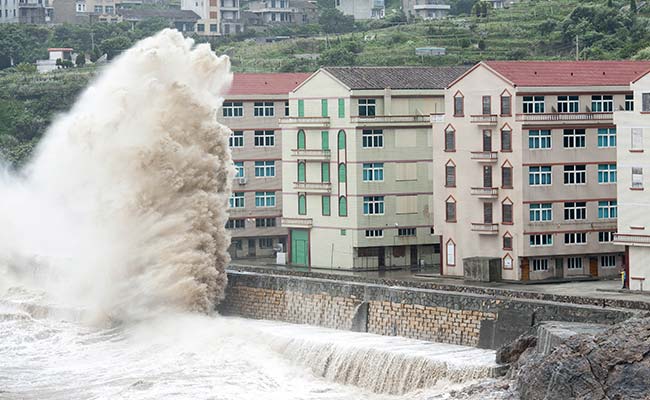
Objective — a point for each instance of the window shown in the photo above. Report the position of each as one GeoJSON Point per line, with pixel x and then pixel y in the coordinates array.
{"type": "Point", "coordinates": [239, 169]}
{"type": "Point", "coordinates": [324, 108]}
{"type": "Point", "coordinates": [264, 138]}
{"type": "Point", "coordinates": [451, 253]}
{"type": "Point", "coordinates": [341, 140]}
{"type": "Point", "coordinates": [302, 204]}
{"type": "Point", "coordinates": [374, 233]}
{"type": "Point", "coordinates": [506, 177]}
{"type": "Point", "coordinates": [450, 174]}
{"type": "Point", "coordinates": [507, 242]}
{"type": "Point", "coordinates": [606, 173]}
{"type": "Point", "coordinates": [301, 139]}
{"type": "Point", "coordinates": [325, 205]}
{"type": "Point", "coordinates": [574, 138]}
{"type": "Point", "coordinates": [236, 223]}
{"type": "Point", "coordinates": [343, 206]}
{"type": "Point", "coordinates": [264, 199]}
{"type": "Point", "coordinates": [539, 139]}
{"type": "Point", "coordinates": [286, 108]}
{"type": "Point", "coordinates": [450, 139]}
{"type": "Point", "coordinates": [568, 104]}
{"type": "Point", "coordinates": [506, 213]}
{"type": "Point", "coordinates": [487, 213]}
{"type": "Point", "coordinates": [605, 237]}
{"type": "Point", "coordinates": [575, 174]}
{"type": "Point", "coordinates": [602, 103]}
{"type": "Point", "coordinates": [264, 169]}
{"type": "Point", "coordinates": [539, 264]}
{"type": "Point", "coordinates": [506, 140]}
{"type": "Point", "coordinates": [459, 105]}
{"type": "Point", "coordinates": [607, 261]}
{"type": "Point", "coordinates": [213, 27]}
{"type": "Point", "coordinates": [98, 9]}
{"type": "Point", "coordinates": [325, 172]}
{"type": "Point", "coordinates": [637, 139]}
{"type": "Point", "coordinates": [606, 137]}
{"type": "Point", "coordinates": [263, 109]}
{"type": "Point", "coordinates": [574, 263]}
{"type": "Point", "coordinates": [629, 102]}
{"type": "Point", "coordinates": [236, 139]}
{"type": "Point", "coordinates": [265, 222]}
{"type": "Point", "coordinates": [373, 205]}
{"type": "Point", "coordinates": [487, 140]}
{"type": "Point", "coordinates": [645, 102]}
{"type": "Point", "coordinates": [506, 105]}
{"type": "Point", "coordinates": [325, 140]}
{"type": "Point", "coordinates": [373, 172]}
{"type": "Point", "coordinates": [539, 175]}
{"type": "Point", "coordinates": [575, 210]}
{"type": "Point", "coordinates": [487, 105]}
{"type": "Point", "coordinates": [540, 212]}
{"type": "Point", "coordinates": [533, 104]}
{"type": "Point", "coordinates": [607, 209]}
{"type": "Point", "coordinates": [637, 178]}
{"type": "Point", "coordinates": [201, 28]}
{"type": "Point", "coordinates": [406, 231]}
{"type": "Point", "coordinates": [343, 177]}
{"type": "Point", "coordinates": [341, 108]}
{"type": "Point", "coordinates": [237, 200]}
{"type": "Point", "coordinates": [266, 243]}
{"type": "Point", "coordinates": [575, 238]}
{"type": "Point", "coordinates": [367, 107]}
{"type": "Point", "coordinates": [545, 239]}
{"type": "Point", "coordinates": [450, 210]}
{"type": "Point", "coordinates": [109, 9]}
{"type": "Point", "coordinates": [233, 109]}
{"type": "Point", "coordinates": [372, 138]}
{"type": "Point", "coordinates": [301, 108]}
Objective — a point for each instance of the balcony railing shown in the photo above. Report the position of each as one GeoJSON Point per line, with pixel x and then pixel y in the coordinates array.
{"type": "Point", "coordinates": [485, 192]}
{"type": "Point", "coordinates": [314, 187]}
{"type": "Point", "coordinates": [485, 229]}
{"type": "Point", "coordinates": [306, 121]}
{"type": "Point", "coordinates": [391, 119]}
{"type": "Point", "coordinates": [581, 116]}
{"type": "Point", "coordinates": [431, 7]}
{"type": "Point", "coordinates": [484, 119]}
{"type": "Point", "coordinates": [631, 239]}
{"type": "Point", "coordinates": [296, 222]}
{"type": "Point", "coordinates": [485, 156]}
{"type": "Point", "coordinates": [311, 154]}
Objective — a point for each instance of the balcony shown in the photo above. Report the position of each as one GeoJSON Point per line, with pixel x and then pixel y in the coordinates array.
{"type": "Point", "coordinates": [631, 239]}
{"type": "Point", "coordinates": [313, 187]}
{"type": "Point", "coordinates": [397, 120]}
{"type": "Point", "coordinates": [485, 229]}
{"type": "Point", "coordinates": [580, 117]}
{"type": "Point", "coordinates": [305, 223]}
{"type": "Point", "coordinates": [485, 156]}
{"type": "Point", "coordinates": [431, 7]}
{"type": "Point", "coordinates": [306, 122]}
{"type": "Point", "coordinates": [485, 192]}
{"type": "Point", "coordinates": [311, 154]}
{"type": "Point", "coordinates": [484, 119]}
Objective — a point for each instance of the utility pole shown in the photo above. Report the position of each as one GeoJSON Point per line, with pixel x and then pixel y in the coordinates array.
{"type": "Point", "coordinates": [577, 49]}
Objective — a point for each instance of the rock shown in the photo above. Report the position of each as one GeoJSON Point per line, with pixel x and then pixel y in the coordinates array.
{"type": "Point", "coordinates": [611, 365]}
{"type": "Point", "coordinates": [509, 353]}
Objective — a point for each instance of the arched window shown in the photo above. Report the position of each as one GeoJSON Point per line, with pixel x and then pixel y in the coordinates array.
{"type": "Point", "coordinates": [506, 211]}
{"type": "Point", "coordinates": [342, 173]}
{"type": "Point", "coordinates": [341, 140]}
{"type": "Point", "coordinates": [451, 253]}
{"type": "Point", "coordinates": [507, 262]}
{"type": "Point", "coordinates": [450, 209]}
{"type": "Point", "coordinates": [450, 174]}
{"type": "Point", "coordinates": [507, 241]}
{"type": "Point", "coordinates": [459, 104]}
{"type": "Point", "coordinates": [343, 206]}
{"type": "Point", "coordinates": [450, 138]}
{"type": "Point", "coordinates": [302, 204]}
{"type": "Point", "coordinates": [301, 139]}
{"type": "Point", "coordinates": [301, 171]}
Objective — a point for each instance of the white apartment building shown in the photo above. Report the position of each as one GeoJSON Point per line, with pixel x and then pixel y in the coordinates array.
{"type": "Point", "coordinates": [633, 126]}
{"type": "Point", "coordinates": [357, 160]}
{"type": "Point", "coordinates": [362, 9]}
{"type": "Point", "coordinates": [525, 168]}
{"type": "Point", "coordinates": [8, 11]}
{"type": "Point", "coordinates": [217, 17]}
{"type": "Point", "coordinates": [251, 109]}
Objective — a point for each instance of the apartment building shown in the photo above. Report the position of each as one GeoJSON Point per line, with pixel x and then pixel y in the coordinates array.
{"type": "Point", "coordinates": [525, 167]}
{"type": "Point", "coordinates": [356, 161]}
{"type": "Point", "coordinates": [217, 17]}
{"type": "Point", "coordinates": [426, 9]}
{"type": "Point", "coordinates": [8, 11]}
{"type": "Point", "coordinates": [362, 9]}
{"type": "Point", "coordinates": [633, 127]}
{"type": "Point", "coordinates": [252, 109]}
{"type": "Point", "coordinates": [281, 12]}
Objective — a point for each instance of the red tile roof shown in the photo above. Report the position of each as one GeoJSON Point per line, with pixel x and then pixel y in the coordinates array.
{"type": "Point", "coordinates": [277, 83]}
{"type": "Point", "coordinates": [570, 73]}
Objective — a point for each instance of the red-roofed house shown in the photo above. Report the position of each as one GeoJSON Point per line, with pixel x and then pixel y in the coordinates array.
{"type": "Point", "coordinates": [525, 165]}
{"type": "Point", "coordinates": [252, 109]}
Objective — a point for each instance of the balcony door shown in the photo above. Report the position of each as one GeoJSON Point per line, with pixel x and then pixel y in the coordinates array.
{"type": "Point", "coordinates": [487, 140]}
{"type": "Point", "coordinates": [487, 176]}
{"type": "Point", "coordinates": [487, 213]}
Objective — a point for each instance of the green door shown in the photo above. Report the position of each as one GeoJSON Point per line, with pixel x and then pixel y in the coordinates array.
{"type": "Point", "coordinates": [299, 247]}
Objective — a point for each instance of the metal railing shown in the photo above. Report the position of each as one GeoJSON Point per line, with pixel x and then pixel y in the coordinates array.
{"type": "Point", "coordinates": [490, 156]}
{"type": "Point", "coordinates": [627, 238]}
{"type": "Point", "coordinates": [297, 222]}
{"type": "Point", "coordinates": [391, 119]}
{"type": "Point", "coordinates": [484, 119]}
{"type": "Point", "coordinates": [485, 228]}
{"type": "Point", "coordinates": [580, 116]}
{"type": "Point", "coordinates": [313, 186]}
{"type": "Point", "coordinates": [306, 121]}
{"type": "Point", "coordinates": [485, 191]}
{"type": "Point", "coordinates": [311, 153]}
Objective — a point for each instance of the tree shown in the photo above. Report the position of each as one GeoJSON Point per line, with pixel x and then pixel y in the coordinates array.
{"type": "Point", "coordinates": [332, 20]}
{"type": "Point", "coordinates": [80, 60]}
{"type": "Point", "coordinates": [643, 54]}
{"type": "Point", "coordinates": [337, 56]}
{"type": "Point", "coordinates": [114, 46]}
{"type": "Point", "coordinates": [633, 8]}
{"type": "Point", "coordinates": [481, 44]}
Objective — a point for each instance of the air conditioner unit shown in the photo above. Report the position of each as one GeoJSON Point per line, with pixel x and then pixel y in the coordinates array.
{"type": "Point", "coordinates": [242, 181]}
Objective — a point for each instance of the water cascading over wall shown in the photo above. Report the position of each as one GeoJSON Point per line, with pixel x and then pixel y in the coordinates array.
{"type": "Point", "coordinates": [123, 207]}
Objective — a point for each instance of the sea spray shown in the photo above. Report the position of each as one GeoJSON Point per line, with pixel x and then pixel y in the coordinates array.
{"type": "Point", "coordinates": [122, 210]}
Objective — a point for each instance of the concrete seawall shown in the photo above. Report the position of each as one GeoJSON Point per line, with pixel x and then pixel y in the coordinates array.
{"type": "Point", "coordinates": [475, 318]}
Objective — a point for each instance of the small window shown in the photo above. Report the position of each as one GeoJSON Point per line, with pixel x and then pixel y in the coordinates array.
{"type": "Point", "coordinates": [637, 139]}
{"type": "Point", "coordinates": [605, 237]}
{"type": "Point", "coordinates": [265, 222]}
{"type": "Point", "coordinates": [342, 173]}
{"type": "Point", "coordinates": [324, 108]}
{"type": "Point", "coordinates": [487, 105]}
{"type": "Point", "coordinates": [325, 172]}
{"type": "Point", "coordinates": [341, 140]}
{"type": "Point", "coordinates": [264, 138]}
{"type": "Point", "coordinates": [539, 264]}
{"type": "Point", "coordinates": [506, 213]}
{"type": "Point", "coordinates": [539, 139]}
{"type": "Point", "coordinates": [266, 243]}
{"type": "Point", "coordinates": [264, 169]}
{"type": "Point", "coordinates": [540, 212]}
{"type": "Point", "coordinates": [367, 107]}
{"type": "Point", "coordinates": [539, 175]}
{"type": "Point", "coordinates": [451, 253]}
{"type": "Point", "coordinates": [286, 108]}
{"type": "Point", "coordinates": [602, 103]}
{"type": "Point", "coordinates": [575, 174]}
{"type": "Point", "coordinates": [301, 108]}
{"type": "Point", "coordinates": [629, 102]}
{"type": "Point", "coordinates": [575, 210]}
{"type": "Point", "coordinates": [541, 240]}
{"type": "Point", "coordinates": [459, 106]}
{"type": "Point", "coordinates": [233, 109]}
{"type": "Point", "coordinates": [506, 105]}
{"type": "Point", "coordinates": [575, 238]}
{"type": "Point", "coordinates": [506, 177]}
{"type": "Point", "coordinates": [239, 223]}
{"type": "Point", "coordinates": [373, 172]}
{"type": "Point", "coordinates": [301, 171]}
{"type": "Point", "coordinates": [507, 242]}
{"type": "Point", "coordinates": [236, 139]}
{"type": "Point", "coordinates": [372, 138]}
{"type": "Point", "coordinates": [606, 173]}
{"type": "Point", "coordinates": [450, 175]}
{"type": "Point", "coordinates": [568, 104]}
{"type": "Point", "coordinates": [575, 138]}
{"type": "Point", "coordinates": [237, 200]}
{"type": "Point", "coordinates": [606, 137]}
{"type": "Point", "coordinates": [239, 169]}
{"type": "Point", "coordinates": [645, 102]}
{"type": "Point", "coordinates": [608, 261]}
{"type": "Point", "coordinates": [341, 108]}
{"type": "Point", "coordinates": [264, 199]}
{"type": "Point", "coordinates": [574, 263]}
{"type": "Point", "coordinates": [450, 210]}
{"type": "Point", "coordinates": [607, 209]}
{"type": "Point", "coordinates": [406, 231]}
{"type": "Point", "coordinates": [301, 139]}
{"type": "Point", "coordinates": [506, 140]}
{"type": "Point", "coordinates": [533, 104]}
{"type": "Point", "coordinates": [450, 139]}
{"type": "Point", "coordinates": [343, 206]}
{"type": "Point", "coordinates": [302, 204]}
{"type": "Point", "coordinates": [374, 233]}
{"type": "Point", "coordinates": [325, 200]}
{"type": "Point", "coordinates": [637, 178]}
{"type": "Point", "coordinates": [373, 205]}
